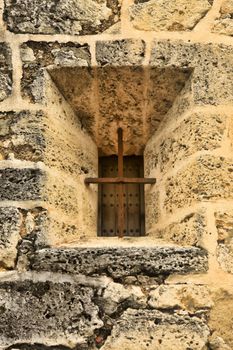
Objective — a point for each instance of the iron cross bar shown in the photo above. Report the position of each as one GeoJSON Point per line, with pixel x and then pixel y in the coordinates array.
{"type": "Point", "coordinates": [120, 181]}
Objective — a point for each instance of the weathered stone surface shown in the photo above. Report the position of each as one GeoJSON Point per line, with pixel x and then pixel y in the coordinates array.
{"type": "Point", "coordinates": [35, 136]}
{"type": "Point", "coordinates": [70, 17]}
{"type": "Point", "coordinates": [177, 15]}
{"type": "Point", "coordinates": [36, 184]}
{"type": "Point", "coordinates": [37, 56]}
{"type": "Point", "coordinates": [224, 225]}
{"type": "Point", "coordinates": [224, 23]}
{"type": "Point", "coordinates": [5, 71]}
{"type": "Point", "coordinates": [10, 224]}
{"type": "Point", "coordinates": [221, 320]}
{"type": "Point", "coordinates": [120, 92]}
{"type": "Point", "coordinates": [20, 184]}
{"type": "Point", "coordinates": [187, 297]}
{"type": "Point", "coordinates": [52, 313]}
{"type": "Point", "coordinates": [120, 52]}
{"type": "Point", "coordinates": [149, 330]}
{"type": "Point", "coordinates": [212, 63]}
{"type": "Point", "coordinates": [116, 294]}
{"type": "Point", "coordinates": [21, 135]}
{"type": "Point", "coordinates": [152, 208]}
{"type": "Point", "coordinates": [120, 262]}
{"type": "Point", "coordinates": [198, 132]}
{"type": "Point", "coordinates": [206, 178]}
{"type": "Point", "coordinates": [188, 231]}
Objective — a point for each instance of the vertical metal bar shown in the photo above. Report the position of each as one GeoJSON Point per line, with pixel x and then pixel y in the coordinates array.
{"type": "Point", "coordinates": [120, 186]}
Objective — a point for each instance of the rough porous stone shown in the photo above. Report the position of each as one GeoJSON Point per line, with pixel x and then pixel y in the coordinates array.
{"type": "Point", "coordinates": [37, 56]}
{"type": "Point", "coordinates": [224, 225]}
{"type": "Point", "coordinates": [120, 262]}
{"type": "Point", "coordinates": [5, 71]}
{"type": "Point", "coordinates": [177, 15]}
{"type": "Point", "coordinates": [35, 136]}
{"type": "Point", "coordinates": [119, 92]}
{"type": "Point", "coordinates": [188, 231]}
{"type": "Point", "coordinates": [21, 184]}
{"type": "Point", "coordinates": [183, 296]}
{"type": "Point", "coordinates": [221, 320]}
{"type": "Point", "coordinates": [224, 23]}
{"type": "Point", "coordinates": [120, 52]}
{"type": "Point", "coordinates": [116, 294]}
{"type": "Point", "coordinates": [10, 225]}
{"type": "Point", "coordinates": [206, 178]}
{"type": "Point", "coordinates": [69, 17]}
{"type": "Point", "coordinates": [211, 63]}
{"type": "Point", "coordinates": [21, 134]}
{"type": "Point", "coordinates": [151, 329]}
{"type": "Point", "coordinates": [198, 132]}
{"type": "Point", "coordinates": [47, 312]}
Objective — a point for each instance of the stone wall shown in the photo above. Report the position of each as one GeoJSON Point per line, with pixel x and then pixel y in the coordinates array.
{"type": "Point", "coordinates": [71, 72]}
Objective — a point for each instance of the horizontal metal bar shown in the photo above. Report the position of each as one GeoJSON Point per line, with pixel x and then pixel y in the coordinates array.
{"type": "Point", "coordinates": [120, 180]}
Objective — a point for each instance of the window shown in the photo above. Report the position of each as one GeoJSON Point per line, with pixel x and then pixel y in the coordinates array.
{"type": "Point", "coordinates": [133, 198]}
{"type": "Point", "coordinates": [121, 197]}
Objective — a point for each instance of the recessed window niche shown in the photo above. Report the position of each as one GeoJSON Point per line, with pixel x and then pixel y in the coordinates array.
{"type": "Point", "coordinates": [96, 102]}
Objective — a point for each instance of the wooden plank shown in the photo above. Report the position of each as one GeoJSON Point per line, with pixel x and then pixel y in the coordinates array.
{"type": "Point", "coordinates": [121, 214]}
{"type": "Point", "coordinates": [119, 180]}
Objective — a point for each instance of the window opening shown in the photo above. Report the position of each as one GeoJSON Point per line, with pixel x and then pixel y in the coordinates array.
{"type": "Point", "coordinates": [120, 220]}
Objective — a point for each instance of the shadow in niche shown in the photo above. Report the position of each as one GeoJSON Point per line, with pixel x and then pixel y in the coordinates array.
{"type": "Point", "coordinates": [38, 346]}
{"type": "Point", "coordinates": [136, 98]}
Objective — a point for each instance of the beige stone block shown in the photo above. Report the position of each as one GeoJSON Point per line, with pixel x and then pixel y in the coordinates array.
{"type": "Point", "coordinates": [152, 329]}
{"type": "Point", "coordinates": [207, 178]}
{"type": "Point", "coordinates": [187, 297]}
{"type": "Point", "coordinates": [116, 293]}
{"type": "Point", "coordinates": [151, 208]}
{"type": "Point", "coordinates": [188, 231]}
{"type": "Point", "coordinates": [221, 319]}
{"type": "Point", "coordinates": [224, 24]}
{"type": "Point", "coordinates": [198, 132]}
{"type": "Point", "coordinates": [177, 15]}
{"type": "Point", "coordinates": [224, 225]}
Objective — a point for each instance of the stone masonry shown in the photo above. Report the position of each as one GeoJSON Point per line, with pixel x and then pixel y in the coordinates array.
{"type": "Point", "coordinates": [71, 73]}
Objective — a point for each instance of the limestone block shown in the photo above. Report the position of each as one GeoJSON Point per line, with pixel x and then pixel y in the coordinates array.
{"type": "Point", "coordinates": [21, 184]}
{"type": "Point", "coordinates": [36, 56]}
{"type": "Point", "coordinates": [204, 179]}
{"type": "Point", "coordinates": [149, 330]}
{"type": "Point", "coordinates": [152, 208]}
{"type": "Point", "coordinates": [36, 184]}
{"type": "Point", "coordinates": [224, 225]}
{"type": "Point", "coordinates": [10, 225]}
{"type": "Point", "coordinates": [178, 15]}
{"type": "Point", "coordinates": [69, 17]}
{"type": "Point", "coordinates": [187, 297]}
{"type": "Point", "coordinates": [198, 132]}
{"type": "Point", "coordinates": [121, 262]}
{"type": "Point", "coordinates": [211, 63]}
{"type": "Point", "coordinates": [36, 136]}
{"type": "Point", "coordinates": [188, 231]}
{"type": "Point", "coordinates": [116, 293]}
{"type": "Point", "coordinates": [5, 71]}
{"type": "Point", "coordinates": [224, 23]}
{"type": "Point", "coordinates": [52, 313]}
{"type": "Point", "coordinates": [221, 319]}
{"type": "Point", "coordinates": [120, 52]}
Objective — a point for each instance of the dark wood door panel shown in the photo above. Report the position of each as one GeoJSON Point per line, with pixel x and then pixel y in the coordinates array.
{"type": "Point", "coordinates": [133, 198]}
